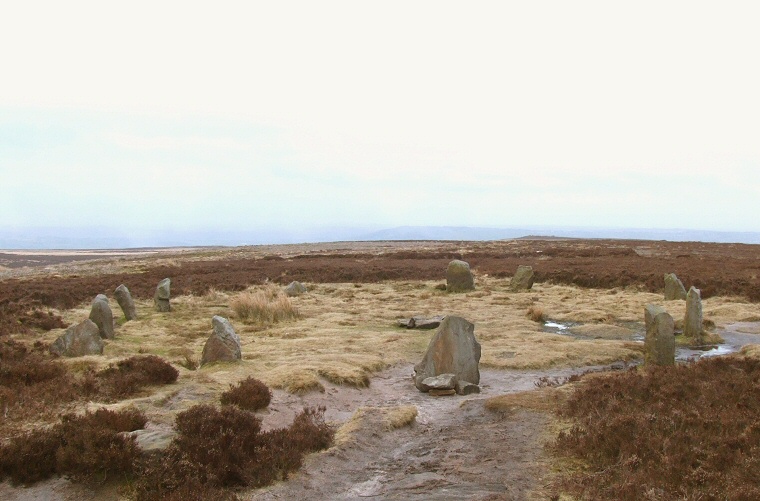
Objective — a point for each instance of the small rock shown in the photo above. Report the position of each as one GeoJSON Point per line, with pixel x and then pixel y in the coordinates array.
{"type": "Point", "coordinates": [79, 340]}
{"type": "Point", "coordinates": [223, 345]}
{"type": "Point", "coordinates": [466, 388]}
{"type": "Point", "coordinates": [523, 279]}
{"type": "Point", "coordinates": [441, 393]}
{"type": "Point", "coordinates": [440, 382]}
{"type": "Point", "coordinates": [459, 277]}
{"type": "Point", "coordinates": [126, 303]}
{"type": "Point", "coordinates": [295, 289]}
{"type": "Point", "coordinates": [421, 322]}
{"type": "Point", "coordinates": [101, 314]}
{"type": "Point", "coordinates": [674, 288]}
{"type": "Point", "coordinates": [161, 297]}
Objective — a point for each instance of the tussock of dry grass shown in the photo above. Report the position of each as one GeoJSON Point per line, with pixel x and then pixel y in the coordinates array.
{"type": "Point", "coordinates": [536, 313]}
{"type": "Point", "coordinates": [368, 420]}
{"type": "Point", "coordinates": [545, 399]}
{"type": "Point", "coordinates": [264, 306]}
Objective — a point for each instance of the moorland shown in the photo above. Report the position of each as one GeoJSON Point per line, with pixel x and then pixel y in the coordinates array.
{"type": "Point", "coordinates": [565, 411]}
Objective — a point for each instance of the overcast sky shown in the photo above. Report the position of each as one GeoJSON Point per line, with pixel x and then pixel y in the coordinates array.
{"type": "Point", "coordinates": [301, 114]}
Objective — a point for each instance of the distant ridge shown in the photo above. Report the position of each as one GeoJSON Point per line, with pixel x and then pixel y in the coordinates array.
{"type": "Point", "coordinates": [112, 238]}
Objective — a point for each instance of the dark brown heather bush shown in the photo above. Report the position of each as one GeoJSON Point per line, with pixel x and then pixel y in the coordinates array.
{"type": "Point", "coordinates": [221, 449]}
{"type": "Point", "coordinates": [88, 447]}
{"type": "Point", "coordinates": [683, 432]}
{"type": "Point", "coordinates": [129, 376]}
{"type": "Point", "coordinates": [249, 394]}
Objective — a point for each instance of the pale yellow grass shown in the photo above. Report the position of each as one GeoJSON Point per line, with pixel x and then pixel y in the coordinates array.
{"type": "Point", "coordinates": [265, 305]}
{"type": "Point", "coordinates": [346, 333]}
{"type": "Point", "coordinates": [368, 420]}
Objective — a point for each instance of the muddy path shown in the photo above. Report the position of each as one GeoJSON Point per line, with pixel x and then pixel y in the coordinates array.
{"type": "Point", "coordinates": [456, 449]}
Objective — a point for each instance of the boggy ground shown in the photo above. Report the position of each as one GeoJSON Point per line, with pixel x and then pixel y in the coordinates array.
{"type": "Point", "coordinates": [347, 353]}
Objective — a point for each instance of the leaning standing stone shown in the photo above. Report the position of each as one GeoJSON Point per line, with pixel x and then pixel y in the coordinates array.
{"type": "Point", "coordinates": [692, 320]}
{"type": "Point", "coordinates": [124, 298]}
{"type": "Point", "coordinates": [161, 297]}
{"type": "Point", "coordinates": [101, 314]}
{"type": "Point", "coordinates": [79, 340]}
{"type": "Point", "coordinates": [459, 277]}
{"type": "Point", "coordinates": [660, 341]}
{"type": "Point", "coordinates": [523, 279]}
{"type": "Point", "coordinates": [674, 288]}
{"type": "Point", "coordinates": [223, 345]}
{"type": "Point", "coordinates": [452, 350]}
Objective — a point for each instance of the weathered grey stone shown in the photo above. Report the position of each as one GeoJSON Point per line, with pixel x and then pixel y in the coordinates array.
{"type": "Point", "coordinates": [421, 322]}
{"type": "Point", "coordinates": [523, 279]}
{"type": "Point", "coordinates": [295, 289]}
{"type": "Point", "coordinates": [452, 350]}
{"type": "Point", "coordinates": [660, 341]}
{"type": "Point", "coordinates": [101, 314]}
{"type": "Point", "coordinates": [674, 288]}
{"type": "Point", "coordinates": [126, 303]}
{"type": "Point", "coordinates": [79, 340]}
{"type": "Point", "coordinates": [692, 320]}
{"type": "Point", "coordinates": [223, 345]}
{"type": "Point", "coordinates": [459, 277]}
{"type": "Point", "coordinates": [440, 382]}
{"type": "Point", "coordinates": [161, 297]}
{"type": "Point", "coordinates": [466, 388]}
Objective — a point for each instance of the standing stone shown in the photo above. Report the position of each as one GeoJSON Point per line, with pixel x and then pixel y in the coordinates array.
{"type": "Point", "coordinates": [124, 298]}
{"type": "Point", "coordinates": [223, 345]}
{"type": "Point", "coordinates": [523, 279]}
{"type": "Point", "coordinates": [452, 350]}
{"type": "Point", "coordinates": [101, 314]}
{"type": "Point", "coordinates": [79, 340]}
{"type": "Point", "coordinates": [295, 289]}
{"type": "Point", "coordinates": [459, 277]}
{"type": "Point", "coordinates": [660, 341]}
{"type": "Point", "coordinates": [692, 320]}
{"type": "Point", "coordinates": [161, 297]}
{"type": "Point", "coordinates": [674, 288]}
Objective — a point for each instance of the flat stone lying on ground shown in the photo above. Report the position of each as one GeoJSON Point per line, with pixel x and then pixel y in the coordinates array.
{"type": "Point", "coordinates": [101, 314]}
{"type": "Point", "coordinates": [161, 297]}
{"type": "Point", "coordinates": [459, 277]}
{"type": "Point", "coordinates": [692, 320]}
{"type": "Point", "coordinates": [522, 279]}
{"type": "Point", "coordinates": [421, 322]}
{"type": "Point", "coordinates": [452, 350]}
{"type": "Point", "coordinates": [79, 340]}
{"type": "Point", "coordinates": [440, 382]}
{"type": "Point", "coordinates": [126, 303]}
{"type": "Point", "coordinates": [660, 341]}
{"type": "Point", "coordinates": [674, 288]}
{"type": "Point", "coordinates": [295, 289]}
{"type": "Point", "coordinates": [223, 345]}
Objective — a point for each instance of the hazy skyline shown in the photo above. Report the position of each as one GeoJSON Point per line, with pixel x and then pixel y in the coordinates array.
{"type": "Point", "coordinates": [295, 115]}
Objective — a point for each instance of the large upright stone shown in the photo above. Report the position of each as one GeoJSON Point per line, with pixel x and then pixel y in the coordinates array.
{"type": "Point", "coordinates": [79, 340]}
{"type": "Point", "coordinates": [161, 297]}
{"type": "Point", "coordinates": [523, 279]}
{"type": "Point", "coordinates": [295, 289]}
{"type": "Point", "coordinates": [223, 345]}
{"type": "Point", "coordinates": [692, 320]}
{"type": "Point", "coordinates": [101, 314]}
{"type": "Point", "coordinates": [126, 303]}
{"type": "Point", "coordinates": [660, 341]}
{"type": "Point", "coordinates": [674, 288]}
{"type": "Point", "coordinates": [452, 350]}
{"type": "Point", "coordinates": [459, 277]}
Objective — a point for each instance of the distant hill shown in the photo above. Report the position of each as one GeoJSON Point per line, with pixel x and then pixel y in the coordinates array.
{"type": "Point", "coordinates": [114, 238]}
